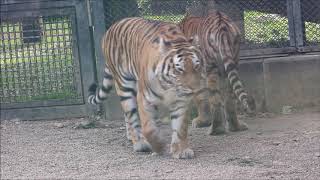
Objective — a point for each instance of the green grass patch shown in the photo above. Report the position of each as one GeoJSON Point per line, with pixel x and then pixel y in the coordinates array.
{"type": "Point", "coordinates": [166, 18]}
{"type": "Point", "coordinates": [269, 29]}
{"type": "Point", "coordinates": [312, 32]}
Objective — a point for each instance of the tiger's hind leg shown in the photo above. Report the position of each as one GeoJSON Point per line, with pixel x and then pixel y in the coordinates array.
{"type": "Point", "coordinates": [218, 121]}
{"type": "Point", "coordinates": [203, 109]}
{"type": "Point", "coordinates": [127, 93]}
{"type": "Point", "coordinates": [179, 144]}
{"type": "Point", "coordinates": [231, 113]}
{"type": "Point", "coordinates": [217, 112]}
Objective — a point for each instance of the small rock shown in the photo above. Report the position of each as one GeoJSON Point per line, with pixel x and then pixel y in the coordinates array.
{"type": "Point", "coordinates": [169, 171]}
{"type": "Point", "coordinates": [85, 125]}
{"type": "Point", "coordinates": [265, 115]}
{"type": "Point", "coordinates": [58, 125]}
{"type": "Point", "coordinates": [259, 133]}
{"type": "Point", "coordinates": [154, 154]}
{"type": "Point", "coordinates": [122, 128]}
{"type": "Point", "coordinates": [287, 110]}
{"type": "Point", "coordinates": [15, 119]}
{"type": "Point", "coordinates": [317, 154]}
{"type": "Point", "coordinates": [134, 176]}
{"type": "Point", "coordinates": [276, 143]}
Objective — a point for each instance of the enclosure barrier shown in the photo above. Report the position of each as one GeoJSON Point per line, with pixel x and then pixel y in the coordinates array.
{"type": "Point", "coordinates": [267, 26]}
{"type": "Point", "coordinates": [45, 59]}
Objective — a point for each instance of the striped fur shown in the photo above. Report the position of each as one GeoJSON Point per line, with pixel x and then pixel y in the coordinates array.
{"type": "Point", "coordinates": [219, 40]}
{"type": "Point", "coordinates": [151, 63]}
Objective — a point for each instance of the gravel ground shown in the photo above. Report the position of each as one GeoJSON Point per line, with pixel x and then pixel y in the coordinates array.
{"type": "Point", "coordinates": [275, 147]}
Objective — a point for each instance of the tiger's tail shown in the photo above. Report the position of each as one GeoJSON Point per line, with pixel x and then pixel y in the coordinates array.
{"type": "Point", "coordinates": [99, 94]}
{"type": "Point", "coordinates": [238, 88]}
{"type": "Point", "coordinates": [231, 68]}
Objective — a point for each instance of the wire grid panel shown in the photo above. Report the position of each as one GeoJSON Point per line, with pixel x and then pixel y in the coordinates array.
{"type": "Point", "coordinates": [263, 23]}
{"type": "Point", "coordinates": [38, 65]}
{"type": "Point", "coordinates": [311, 19]}
{"type": "Point", "coordinates": [165, 10]}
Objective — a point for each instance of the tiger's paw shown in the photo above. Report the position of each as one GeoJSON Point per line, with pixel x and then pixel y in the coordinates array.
{"type": "Point", "coordinates": [142, 146]}
{"type": "Point", "coordinates": [241, 127]}
{"type": "Point", "coordinates": [184, 154]}
{"type": "Point", "coordinates": [198, 123]}
{"type": "Point", "coordinates": [214, 131]}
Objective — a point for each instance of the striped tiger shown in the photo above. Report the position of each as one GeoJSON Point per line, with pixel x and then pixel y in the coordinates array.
{"type": "Point", "coordinates": [151, 63]}
{"type": "Point", "coordinates": [219, 41]}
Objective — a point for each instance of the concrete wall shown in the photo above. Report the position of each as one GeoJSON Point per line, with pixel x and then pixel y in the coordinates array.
{"type": "Point", "coordinates": [280, 81]}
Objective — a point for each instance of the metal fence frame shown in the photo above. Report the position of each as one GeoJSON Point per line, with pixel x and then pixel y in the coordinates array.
{"type": "Point", "coordinates": [82, 54]}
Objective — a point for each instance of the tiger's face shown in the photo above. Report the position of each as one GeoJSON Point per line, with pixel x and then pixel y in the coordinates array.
{"type": "Point", "coordinates": [188, 71]}
{"type": "Point", "coordinates": [181, 66]}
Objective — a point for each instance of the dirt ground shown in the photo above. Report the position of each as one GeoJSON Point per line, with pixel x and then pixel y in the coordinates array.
{"type": "Point", "coordinates": [275, 147]}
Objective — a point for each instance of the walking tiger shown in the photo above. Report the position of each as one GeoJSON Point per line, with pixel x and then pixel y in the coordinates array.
{"type": "Point", "coordinates": [152, 63]}
{"type": "Point", "coordinates": [219, 42]}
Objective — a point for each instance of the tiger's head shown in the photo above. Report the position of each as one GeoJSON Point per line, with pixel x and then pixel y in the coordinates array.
{"type": "Point", "coordinates": [182, 66]}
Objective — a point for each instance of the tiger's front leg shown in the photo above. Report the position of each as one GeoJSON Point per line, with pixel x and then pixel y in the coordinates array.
{"type": "Point", "coordinates": [129, 105]}
{"type": "Point", "coordinates": [148, 115]}
{"type": "Point", "coordinates": [179, 144]}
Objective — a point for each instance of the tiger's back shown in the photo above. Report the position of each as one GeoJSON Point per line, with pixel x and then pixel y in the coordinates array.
{"type": "Point", "coordinates": [134, 45]}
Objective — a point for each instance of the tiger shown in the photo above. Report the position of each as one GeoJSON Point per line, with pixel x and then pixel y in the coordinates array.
{"type": "Point", "coordinates": [219, 41]}
{"type": "Point", "coordinates": [151, 63]}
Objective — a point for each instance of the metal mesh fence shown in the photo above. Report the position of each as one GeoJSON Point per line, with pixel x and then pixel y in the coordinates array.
{"type": "Point", "coordinates": [165, 10]}
{"type": "Point", "coordinates": [263, 23]}
{"type": "Point", "coordinates": [36, 58]}
{"type": "Point", "coordinates": [311, 16]}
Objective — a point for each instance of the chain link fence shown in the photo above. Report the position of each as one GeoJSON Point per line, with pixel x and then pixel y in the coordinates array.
{"type": "Point", "coordinates": [165, 10]}
{"type": "Point", "coordinates": [263, 23]}
{"type": "Point", "coordinates": [37, 58]}
{"type": "Point", "coordinates": [311, 22]}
